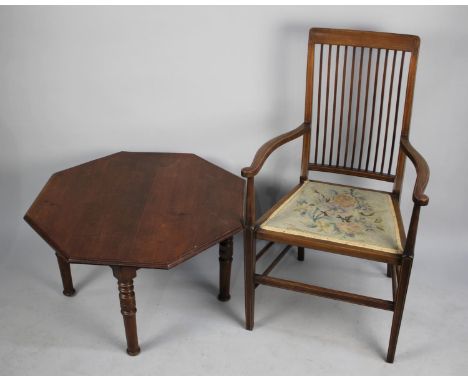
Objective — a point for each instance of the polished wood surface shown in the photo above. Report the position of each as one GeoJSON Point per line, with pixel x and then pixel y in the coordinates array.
{"type": "Point", "coordinates": [151, 210]}
{"type": "Point", "coordinates": [348, 144]}
{"type": "Point", "coordinates": [136, 210]}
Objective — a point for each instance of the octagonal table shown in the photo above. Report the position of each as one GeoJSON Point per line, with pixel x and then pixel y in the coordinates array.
{"type": "Point", "coordinates": [135, 210]}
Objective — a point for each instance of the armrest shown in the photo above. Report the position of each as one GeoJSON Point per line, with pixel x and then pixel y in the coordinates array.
{"type": "Point", "coordinates": [422, 172]}
{"type": "Point", "coordinates": [264, 152]}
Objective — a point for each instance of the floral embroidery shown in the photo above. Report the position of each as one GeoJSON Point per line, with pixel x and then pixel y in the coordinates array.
{"type": "Point", "coordinates": [341, 214]}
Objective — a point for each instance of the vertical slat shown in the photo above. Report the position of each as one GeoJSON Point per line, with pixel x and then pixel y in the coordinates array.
{"type": "Point", "coordinates": [371, 130]}
{"type": "Point", "coordinates": [389, 106]}
{"type": "Point", "coordinates": [334, 103]}
{"type": "Point", "coordinates": [309, 83]}
{"type": "Point", "coordinates": [400, 170]}
{"type": "Point", "coordinates": [382, 96]}
{"type": "Point", "coordinates": [325, 128]}
{"type": "Point", "coordinates": [305, 155]}
{"type": "Point", "coordinates": [357, 107]}
{"type": "Point", "coordinates": [397, 106]}
{"type": "Point", "coordinates": [365, 108]}
{"type": "Point", "coordinates": [350, 106]}
{"type": "Point", "coordinates": [308, 110]}
{"type": "Point", "coordinates": [343, 84]}
{"type": "Point", "coordinates": [409, 94]}
{"type": "Point", "coordinates": [319, 97]}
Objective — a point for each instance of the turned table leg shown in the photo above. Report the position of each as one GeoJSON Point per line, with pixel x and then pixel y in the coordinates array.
{"type": "Point", "coordinates": [125, 276]}
{"type": "Point", "coordinates": [65, 273]}
{"type": "Point", "coordinates": [225, 261]}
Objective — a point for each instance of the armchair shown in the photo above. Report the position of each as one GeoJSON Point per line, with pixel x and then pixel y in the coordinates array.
{"type": "Point", "coordinates": [353, 126]}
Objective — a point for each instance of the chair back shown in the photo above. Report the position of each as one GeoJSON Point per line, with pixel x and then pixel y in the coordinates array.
{"type": "Point", "coordinates": [359, 96]}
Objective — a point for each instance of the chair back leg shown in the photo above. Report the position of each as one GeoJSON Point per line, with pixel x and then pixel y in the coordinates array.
{"type": "Point", "coordinates": [249, 269]}
{"type": "Point", "coordinates": [403, 282]}
{"type": "Point", "coordinates": [300, 253]}
{"type": "Point", "coordinates": [389, 270]}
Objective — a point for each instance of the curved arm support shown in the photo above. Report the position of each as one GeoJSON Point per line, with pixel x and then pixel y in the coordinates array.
{"type": "Point", "coordinates": [264, 152]}
{"type": "Point", "coordinates": [422, 172]}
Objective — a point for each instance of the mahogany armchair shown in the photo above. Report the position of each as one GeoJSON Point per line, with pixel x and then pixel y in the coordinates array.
{"type": "Point", "coordinates": [356, 127]}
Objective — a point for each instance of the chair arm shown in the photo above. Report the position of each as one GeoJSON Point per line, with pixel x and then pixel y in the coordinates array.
{"type": "Point", "coordinates": [422, 172]}
{"type": "Point", "coordinates": [264, 152]}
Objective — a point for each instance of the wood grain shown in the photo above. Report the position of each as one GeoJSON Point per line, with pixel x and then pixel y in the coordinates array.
{"type": "Point", "coordinates": [152, 210]}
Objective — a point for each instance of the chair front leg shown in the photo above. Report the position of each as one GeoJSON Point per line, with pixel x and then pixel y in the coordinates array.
{"type": "Point", "coordinates": [403, 282]}
{"type": "Point", "coordinates": [249, 270]}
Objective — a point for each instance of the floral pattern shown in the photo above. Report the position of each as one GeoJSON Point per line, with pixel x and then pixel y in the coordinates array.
{"type": "Point", "coordinates": [338, 213]}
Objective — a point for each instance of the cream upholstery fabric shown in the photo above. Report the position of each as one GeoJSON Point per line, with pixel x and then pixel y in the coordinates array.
{"type": "Point", "coordinates": [341, 214]}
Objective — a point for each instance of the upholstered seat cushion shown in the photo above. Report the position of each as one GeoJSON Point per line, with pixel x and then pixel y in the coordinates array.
{"type": "Point", "coordinates": [340, 214]}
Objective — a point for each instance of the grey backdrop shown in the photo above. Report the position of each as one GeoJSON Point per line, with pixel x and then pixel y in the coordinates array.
{"type": "Point", "coordinates": [78, 83]}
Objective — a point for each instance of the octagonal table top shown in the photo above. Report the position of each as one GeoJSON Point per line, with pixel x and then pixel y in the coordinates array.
{"type": "Point", "coordinates": [150, 210]}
